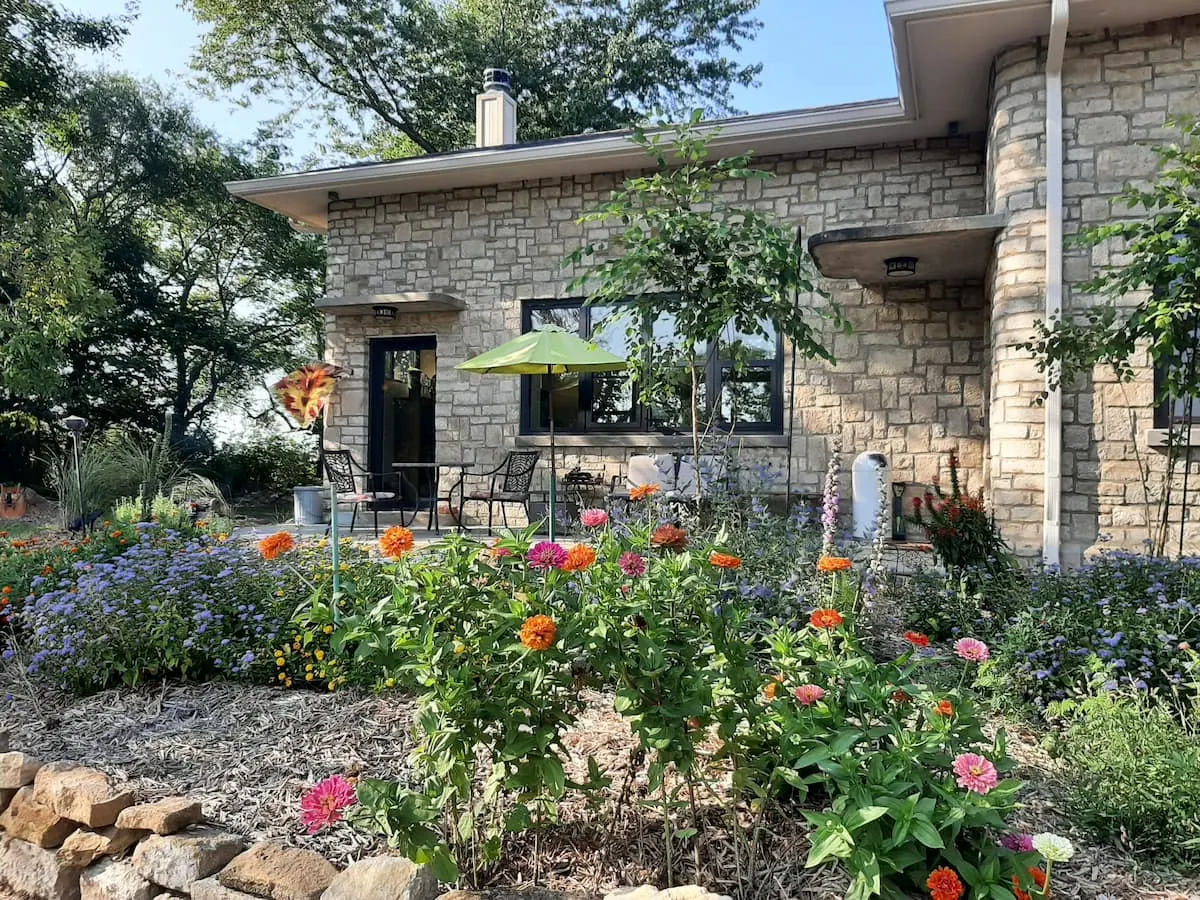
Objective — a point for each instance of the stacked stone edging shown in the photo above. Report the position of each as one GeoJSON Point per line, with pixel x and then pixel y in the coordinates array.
{"type": "Point", "coordinates": [67, 833]}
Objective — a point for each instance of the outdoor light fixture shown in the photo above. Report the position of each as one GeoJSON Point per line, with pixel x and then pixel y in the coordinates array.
{"type": "Point", "coordinates": [75, 425]}
{"type": "Point", "coordinates": [384, 312]}
{"type": "Point", "coordinates": [901, 266]}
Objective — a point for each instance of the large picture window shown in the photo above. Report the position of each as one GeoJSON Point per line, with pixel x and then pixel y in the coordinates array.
{"type": "Point", "coordinates": [744, 394]}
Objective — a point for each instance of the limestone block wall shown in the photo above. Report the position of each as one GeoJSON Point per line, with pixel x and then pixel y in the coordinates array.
{"type": "Point", "coordinates": [908, 383]}
{"type": "Point", "coordinates": [1120, 87]}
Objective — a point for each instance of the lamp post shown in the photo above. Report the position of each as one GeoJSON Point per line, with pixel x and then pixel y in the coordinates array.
{"type": "Point", "coordinates": [75, 425]}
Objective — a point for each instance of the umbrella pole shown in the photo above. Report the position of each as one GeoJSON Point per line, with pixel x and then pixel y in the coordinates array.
{"type": "Point", "coordinates": [553, 455]}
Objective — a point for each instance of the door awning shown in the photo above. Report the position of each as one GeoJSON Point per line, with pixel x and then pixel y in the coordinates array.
{"type": "Point", "coordinates": [389, 306]}
{"type": "Point", "coordinates": [933, 250]}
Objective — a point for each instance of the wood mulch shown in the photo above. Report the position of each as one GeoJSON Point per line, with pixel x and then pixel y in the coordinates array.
{"type": "Point", "coordinates": [249, 752]}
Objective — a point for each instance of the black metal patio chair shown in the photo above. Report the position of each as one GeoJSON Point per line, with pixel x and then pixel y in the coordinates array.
{"type": "Point", "coordinates": [344, 474]}
{"type": "Point", "coordinates": [509, 482]}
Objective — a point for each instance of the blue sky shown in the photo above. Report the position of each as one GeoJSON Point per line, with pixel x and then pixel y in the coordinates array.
{"type": "Point", "coordinates": [814, 53]}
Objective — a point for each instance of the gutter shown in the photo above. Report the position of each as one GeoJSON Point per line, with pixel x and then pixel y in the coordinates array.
{"type": "Point", "coordinates": [1060, 14]}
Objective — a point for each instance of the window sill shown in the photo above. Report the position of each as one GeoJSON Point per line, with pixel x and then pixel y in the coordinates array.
{"type": "Point", "coordinates": [1157, 438]}
{"type": "Point", "coordinates": [646, 441]}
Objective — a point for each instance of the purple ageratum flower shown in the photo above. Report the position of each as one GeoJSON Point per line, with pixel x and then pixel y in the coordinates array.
{"type": "Point", "coordinates": [632, 564]}
{"type": "Point", "coordinates": [546, 555]}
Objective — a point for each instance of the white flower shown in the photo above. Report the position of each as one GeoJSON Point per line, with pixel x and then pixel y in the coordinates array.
{"type": "Point", "coordinates": [1052, 847]}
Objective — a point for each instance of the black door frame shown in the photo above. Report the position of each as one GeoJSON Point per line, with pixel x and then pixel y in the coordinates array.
{"type": "Point", "coordinates": [376, 348]}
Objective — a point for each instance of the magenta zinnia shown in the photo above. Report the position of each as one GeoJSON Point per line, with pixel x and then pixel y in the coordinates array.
{"type": "Point", "coordinates": [632, 564]}
{"type": "Point", "coordinates": [972, 650]}
{"type": "Point", "coordinates": [975, 773]}
{"type": "Point", "coordinates": [547, 555]}
{"type": "Point", "coordinates": [323, 805]}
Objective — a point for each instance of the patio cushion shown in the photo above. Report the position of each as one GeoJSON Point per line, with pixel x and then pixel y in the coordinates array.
{"type": "Point", "coordinates": [366, 497]}
{"type": "Point", "coordinates": [499, 496]}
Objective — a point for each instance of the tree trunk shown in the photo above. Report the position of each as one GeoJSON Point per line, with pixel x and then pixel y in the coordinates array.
{"type": "Point", "coordinates": [696, 429]}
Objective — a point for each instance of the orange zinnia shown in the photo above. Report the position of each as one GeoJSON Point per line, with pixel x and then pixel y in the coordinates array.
{"type": "Point", "coordinates": [944, 708]}
{"type": "Point", "coordinates": [1039, 879]}
{"type": "Point", "coordinates": [642, 491]}
{"type": "Point", "coordinates": [833, 564]}
{"type": "Point", "coordinates": [725, 561]}
{"type": "Point", "coordinates": [669, 537]}
{"type": "Point", "coordinates": [825, 618]}
{"type": "Point", "coordinates": [771, 691]}
{"type": "Point", "coordinates": [943, 884]}
{"type": "Point", "coordinates": [579, 558]}
{"type": "Point", "coordinates": [396, 541]}
{"type": "Point", "coordinates": [276, 545]}
{"type": "Point", "coordinates": [539, 633]}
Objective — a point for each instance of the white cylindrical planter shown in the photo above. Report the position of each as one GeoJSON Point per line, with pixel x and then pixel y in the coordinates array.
{"type": "Point", "coordinates": [871, 493]}
{"type": "Point", "coordinates": [308, 504]}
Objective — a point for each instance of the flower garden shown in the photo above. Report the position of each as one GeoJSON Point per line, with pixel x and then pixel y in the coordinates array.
{"type": "Point", "coordinates": [739, 698]}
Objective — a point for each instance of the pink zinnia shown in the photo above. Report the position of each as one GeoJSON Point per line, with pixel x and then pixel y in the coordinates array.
{"type": "Point", "coordinates": [593, 518]}
{"type": "Point", "coordinates": [632, 564]}
{"type": "Point", "coordinates": [972, 650]}
{"type": "Point", "coordinates": [1017, 842]}
{"type": "Point", "coordinates": [547, 555]}
{"type": "Point", "coordinates": [975, 773]}
{"type": "Point", "coordinates": [808, 694]}
{"type": "Point", "coordinates": [323, 804]}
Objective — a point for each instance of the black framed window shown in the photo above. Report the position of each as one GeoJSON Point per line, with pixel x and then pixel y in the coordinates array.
{"type": "Point", "coordinates": [1174, 412]}
{"type": "Point", "coordinates": [743, 393]}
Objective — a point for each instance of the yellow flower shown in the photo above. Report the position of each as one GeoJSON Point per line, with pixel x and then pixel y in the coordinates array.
{"type": "Point", "coordinates": [296, 646]}
{"type": "Point", "coordinates": [332, 686]}
{"type": "Point", "coordinates": [391, 682]}
{"type": "Point", "coordinates": [279, 653]}
{"type": "Point", "coordinates": [320, 654]}
{"type": "Point", "coordinates": [279, 661]}
{"type": "Point", "coordinates": [282, 676]}
{"type": "Point", "coordinates": [328, 629]}
{"type": "Point", "coordinates": [308, 677]}
{"type": "Point", "coordinates": [308, 668]}
{"type": "Point", "coordinates": [460, 647]}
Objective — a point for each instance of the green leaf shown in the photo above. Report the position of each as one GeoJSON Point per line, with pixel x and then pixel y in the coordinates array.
{"type": "Point", "coordinates": [863, 815]}
{"type": "Point", "coordinates": [924, 832]}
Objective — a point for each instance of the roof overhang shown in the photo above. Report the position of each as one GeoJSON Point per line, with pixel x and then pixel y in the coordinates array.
{"type": "Point", "coordinates": [943, 51]}
{"type": "Point", "coordinates": [405, 302]}
{"type": "Point", "coordinates": [944, 249]}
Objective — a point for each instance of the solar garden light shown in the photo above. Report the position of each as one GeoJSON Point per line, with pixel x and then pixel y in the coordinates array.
{"type": "Point", "coordinates": [75, 425]}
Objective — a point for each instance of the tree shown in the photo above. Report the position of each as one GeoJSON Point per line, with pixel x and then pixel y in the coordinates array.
{"type": "Point", "coordinates": [1151, 301]}
{"type": "Point", "coordinates": [685, 255]}
{"type": "Point", "coordinates": [398, 77]}
{"type": "Point", "coordinates": [207, 295]}
{"type": "Point", "coordinates": [46, 265]}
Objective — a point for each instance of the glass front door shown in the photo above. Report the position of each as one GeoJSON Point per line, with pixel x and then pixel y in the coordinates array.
{"type": "Point", "coordinates": [403, 401]}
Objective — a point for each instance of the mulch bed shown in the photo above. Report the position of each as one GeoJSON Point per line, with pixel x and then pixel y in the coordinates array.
{"type": "Point", "coordinates": [249, 752]}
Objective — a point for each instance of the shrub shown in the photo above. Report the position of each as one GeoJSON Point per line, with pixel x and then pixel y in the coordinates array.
{"type": "Point", "coordinates": [963, 534]}
{"type": "Point", "coordinates": [1122, 615]}
{"type": "Point", "coordinates": [275, 463]}
{"type": "Point", "coordinates": [164, 606]}
{"type": "Point", "coordinates": [963, 601]}
{"type": "Point", "coordinates": [1130, 771]}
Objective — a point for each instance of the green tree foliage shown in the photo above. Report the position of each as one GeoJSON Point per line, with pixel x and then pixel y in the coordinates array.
{"type": "Point", "coordinates": [398, 77]}
{"type": "Point", "coordinates": [46, 265]}
{"type": "Point", "coordinates": [683, 252]}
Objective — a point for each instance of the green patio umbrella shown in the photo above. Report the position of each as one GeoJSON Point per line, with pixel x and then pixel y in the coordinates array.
{"type": "Point", "coordinates": [547, 351]}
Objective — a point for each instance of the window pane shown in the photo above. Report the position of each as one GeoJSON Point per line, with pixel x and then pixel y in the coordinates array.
{"type": "Point", "coordinates": [746, 396]}
{"type": "Point", "coordinates": [568, 318]}
{"type": "Point", "coordinates": [613, 401]}
{"type": "Point", "coordinates": [563, 392]}
{"type": "Point", "coordinates": [753, 346]}
{"type": "Point", "coordinates": [671, 409]}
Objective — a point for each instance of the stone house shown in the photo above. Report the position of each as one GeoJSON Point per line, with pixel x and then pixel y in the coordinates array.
{"type": "Point", "coordinates": [1017, 124]}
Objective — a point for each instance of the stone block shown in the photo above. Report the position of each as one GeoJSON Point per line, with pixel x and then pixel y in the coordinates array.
{"type": "Point", "coordinates": [279, 872]}
{"type": "Point", "coordinates": [460, 895]}
{"type": "Point", "coordinates": [211, 889]}
{"type": "Point", "coordinates": [29, 871]}
{"type": "Point", "coordinates": [162, 816]}
{"type": "Point", "coordinates": [17, 770]}
{"type": "Point", "coordinates": [35, 822]}
{"type": "Point", "coordinates": [85, 847]}
{"type": "Point", "coordinates": [176, 861]}
{"type": "Point", "coordinates": [80, 793]}
{"type": "Point", "coordinates": [387, 878]}
{"type": "Point", "coordinates": [115, 880]}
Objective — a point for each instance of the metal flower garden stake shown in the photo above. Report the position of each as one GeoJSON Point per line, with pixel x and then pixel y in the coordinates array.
{"type": "Point", "coordinates": [304, 394]}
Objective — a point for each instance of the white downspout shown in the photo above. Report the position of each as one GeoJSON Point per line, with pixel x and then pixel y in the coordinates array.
{"type": "Point", "coordinates": [1052, 488]}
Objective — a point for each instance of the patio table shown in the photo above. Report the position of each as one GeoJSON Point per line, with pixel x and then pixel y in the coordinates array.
{"type": "Point", "coordinates": [403, 468]}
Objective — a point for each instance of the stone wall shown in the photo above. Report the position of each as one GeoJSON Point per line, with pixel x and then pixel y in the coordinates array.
{"type": "Point", "coordinates": [1120, 87]}
{"type": "Point", "coordinates": [909, 382]}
